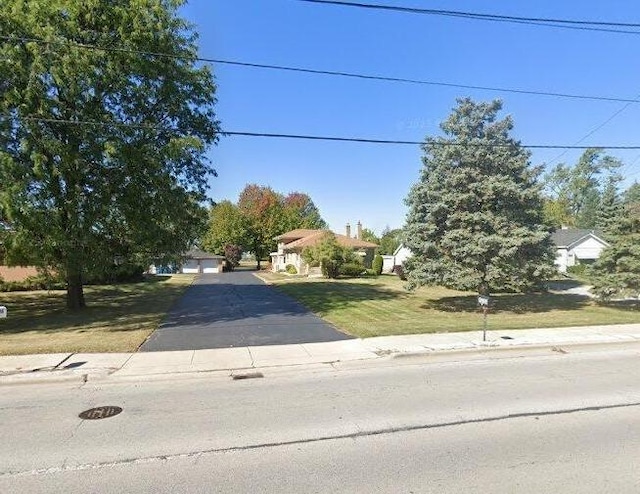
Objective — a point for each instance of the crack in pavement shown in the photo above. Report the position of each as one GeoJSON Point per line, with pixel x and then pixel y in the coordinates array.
{"type": "Point", "coordinates": [354, 436]}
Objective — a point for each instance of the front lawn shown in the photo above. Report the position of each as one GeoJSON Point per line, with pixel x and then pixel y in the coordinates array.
{"type": "Point", "coordinates": [381, 306]}
{"type": "Point", "coordinates": [118, 318]}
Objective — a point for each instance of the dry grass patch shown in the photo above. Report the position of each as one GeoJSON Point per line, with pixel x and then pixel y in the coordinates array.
{"type": "Point", "coordinates": [118, 318]}
{"type": "Point", "coordinates": [381, 306]}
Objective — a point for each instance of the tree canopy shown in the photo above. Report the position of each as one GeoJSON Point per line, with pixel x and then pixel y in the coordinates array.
{"type": "Point", "coordinates": [475, 215]}
{"type": "Point", "coordinates": [102, 152]}
{"type": "Point", "coordinates": [260, 215]}
{"type": "Point", "coordinates": [583, 195]}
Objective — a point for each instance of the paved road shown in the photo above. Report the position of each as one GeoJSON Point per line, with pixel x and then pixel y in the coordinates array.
{"type": "Point", "coordinates": [237, 309]}
{"type": "Point", "coordinates": [546, 424]}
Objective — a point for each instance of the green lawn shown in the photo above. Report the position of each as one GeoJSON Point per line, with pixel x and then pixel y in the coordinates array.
{"type": "Point", "coordinates": [381, 306]}
{"type": "Point", "coordinates": [118, 318]}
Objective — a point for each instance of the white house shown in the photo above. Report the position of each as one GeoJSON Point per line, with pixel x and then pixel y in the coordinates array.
{"type": "Point", "coordinates": [576, 246]}
{"type": "Point", "coordinates": [398, 258]}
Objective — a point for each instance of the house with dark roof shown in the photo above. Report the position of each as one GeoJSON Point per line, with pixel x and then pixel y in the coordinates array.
{"type": "Point", "coordinates": [292, 243]}
{"type": "Point", "coordinates": [577, 246]}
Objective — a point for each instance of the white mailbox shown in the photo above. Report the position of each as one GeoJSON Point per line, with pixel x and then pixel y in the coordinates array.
{"type": "Point", "coordinates": [3, 311]}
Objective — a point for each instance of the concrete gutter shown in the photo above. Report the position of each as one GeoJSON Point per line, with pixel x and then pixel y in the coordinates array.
{"type": "Point", "coordinates": [80, 368]}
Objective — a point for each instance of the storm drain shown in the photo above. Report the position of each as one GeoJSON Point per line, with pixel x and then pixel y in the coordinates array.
{"type": "Point", "coordinates": [100, 413]}
{"type": "Point", "coordinates": [247, 375]}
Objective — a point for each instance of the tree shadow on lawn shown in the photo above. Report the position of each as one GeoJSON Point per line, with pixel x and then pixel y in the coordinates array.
{"type": "Point", "coordinates": [516, 303]}
{"type": "Point", "coordinates": [109, 308]}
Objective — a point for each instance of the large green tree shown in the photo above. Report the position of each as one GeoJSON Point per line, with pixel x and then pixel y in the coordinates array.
{"type": "Point", "coordinates": [102, 152]}
{"type": "Point", "coordinates": [576, 194]}
{"type": "Point", "coordinates": [390, 240]}
{"type": "Point", "coordinates": [226, 226]}
{"type": "Point", "coordinates": [263, 213]}
{"type": "Point", "coordinates": [260, 215]}
{"type": "Point", "coordinates": [475, 215]}
{"type": "Point", "coordinates": [617, 270]}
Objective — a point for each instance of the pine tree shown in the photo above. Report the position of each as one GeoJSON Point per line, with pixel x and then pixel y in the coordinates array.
{"type": "Point", "coordinates": [617, 270]}
{"type": "Point", "coordinates": [475, 216]}
{"type": "Point", "coordinates": [611, 208]}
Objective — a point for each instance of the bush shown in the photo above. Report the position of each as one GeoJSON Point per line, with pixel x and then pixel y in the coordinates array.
{"type": "Point", "coordinates": [39, 282]}
{"type": "Point", "coordinates": [291, 269]}
{"type": "Point", "coordinates": [578, 269]}
{"type": "Point", "coordinates": [377, 264]}
{"type": "Point", "coordinates": [117, 273]}
{"type": "Point", "coordinates": [351, 269]}
{"type": "Point", "coordinates": [330, 268]}
{"type": "Point", "coordinates": [399, 270]}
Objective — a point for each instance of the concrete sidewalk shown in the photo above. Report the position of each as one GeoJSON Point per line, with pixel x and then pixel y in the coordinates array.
{"type": "Point", "coordinates": [91, 366]}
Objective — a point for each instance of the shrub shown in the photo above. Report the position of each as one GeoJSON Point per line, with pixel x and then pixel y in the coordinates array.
{"type": "Point", "coordinates": [117, 273]}
{"type": "Point", "coordinates": [39, 282]}
{"type": "Point", "coordinates": [399, 270]}
{"type": "Point", "coordinates": [377, 264]}
{"type": "Point", "coordinates": [351, 269]}
{"type": "Point", "coordinates": [233, 254]}
{"type": "Point", "coordinates": [578, 269]}
{"type": "Point", "coordinates": [291, 269]}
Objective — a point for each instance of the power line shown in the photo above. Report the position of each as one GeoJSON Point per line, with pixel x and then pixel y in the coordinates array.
{"type": "Point", "coordinates": [585, 25]}
{"type": "Point", "coordinates": [319, 137]}
{"type": "Point", "coordinates": [425, 82]}
{"type": "Point", "coordinates": [329, 72]}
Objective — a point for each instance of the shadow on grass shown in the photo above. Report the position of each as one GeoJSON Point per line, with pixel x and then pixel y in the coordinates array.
{"type": "Point", "coordinates": [125, 307]}
{"type": "Point", "coordinates": [516, 303]}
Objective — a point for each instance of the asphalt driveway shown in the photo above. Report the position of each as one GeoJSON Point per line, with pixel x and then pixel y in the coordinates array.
{"type": "Point", "coordinates": [237, 309]}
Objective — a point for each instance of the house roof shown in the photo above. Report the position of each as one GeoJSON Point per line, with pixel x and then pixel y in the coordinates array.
{"type": "Point", "coordinates": [569, 236]}
{"type": "Point", "coordinates": [316, 236]}
{"type": "Point", "coordinates": [196, 253]}
{"type": "Point", "coordinates": [296, 234]}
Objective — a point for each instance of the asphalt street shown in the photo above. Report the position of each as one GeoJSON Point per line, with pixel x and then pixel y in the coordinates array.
{"type": "Point", "coordinates": [237, 309]}
{"type": "Point", "coordinates": [564, 422]}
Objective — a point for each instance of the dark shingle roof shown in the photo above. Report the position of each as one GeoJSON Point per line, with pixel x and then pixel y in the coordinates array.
{"type": "Point", "coordinates": [568, 236]}
{"type": "Point", "coordinates": [196, 253]}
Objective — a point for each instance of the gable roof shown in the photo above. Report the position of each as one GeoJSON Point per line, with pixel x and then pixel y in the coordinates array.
{"type": "Point", "coordinates": [316, 236]}
{"type": "Point", "coordinates": [566, 237]}
{"type": "Point", "coordinates": [296, 234]}
{"type": "Point", "coordinates": [196, 253]}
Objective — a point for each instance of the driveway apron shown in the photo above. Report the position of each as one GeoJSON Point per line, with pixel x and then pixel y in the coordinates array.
{"type": "Point", "coordinates": [237, 309]}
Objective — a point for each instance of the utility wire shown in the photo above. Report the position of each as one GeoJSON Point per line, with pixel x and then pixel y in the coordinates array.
{"type": "Point", "coordinates": [586, 25]}
{"type": "Point", "coordinates": [327, 72]}
{"type": "Point", "coordinates": [317, 137]}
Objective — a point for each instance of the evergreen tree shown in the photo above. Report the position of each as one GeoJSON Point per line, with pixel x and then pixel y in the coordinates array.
{"type": "Point", "coordinates": [617, 270]}
{"type": "Point", "coordinates": [611, 208]}
{"type": "Point", "coordinates": [475, 215]}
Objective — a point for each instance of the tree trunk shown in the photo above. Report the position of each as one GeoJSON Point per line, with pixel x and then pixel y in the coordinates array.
{"type": "Point", "coordinates": [75, 293]}
{"type": "Point", "coordinates": [258, 266]}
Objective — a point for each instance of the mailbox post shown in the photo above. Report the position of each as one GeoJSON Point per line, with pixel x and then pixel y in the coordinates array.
{"type": "Point", "coordinates": [483, 302]}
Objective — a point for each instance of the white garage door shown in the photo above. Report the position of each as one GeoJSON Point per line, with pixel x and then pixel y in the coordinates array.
{"type": "Point", "coordinates": [209, 266]}
{"type": "Point", "coordinates": [190, 266]}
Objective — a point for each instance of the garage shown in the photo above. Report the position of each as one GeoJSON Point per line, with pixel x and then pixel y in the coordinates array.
{"type": "Point", "coordinates": [199, 262]}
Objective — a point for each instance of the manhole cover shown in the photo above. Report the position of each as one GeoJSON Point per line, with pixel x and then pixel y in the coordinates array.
{"type": "Point", "coordinates": [100, 413]}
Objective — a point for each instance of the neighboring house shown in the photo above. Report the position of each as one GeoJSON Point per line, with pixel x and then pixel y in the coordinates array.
{"type": "Point", "coordinates": [398, 258]}
{"type": "Point", "coordinates": [291, 244]}
{"type": "Point", "coordinates": [195, 261]}
{"type": "Point", "coordinates": [576, 246]}
{"type": "Point", "coordinates": [17, 273]}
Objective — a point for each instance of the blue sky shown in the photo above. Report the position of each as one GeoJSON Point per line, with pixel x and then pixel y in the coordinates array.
{"type": "Point", "coordinates": [368, 182]}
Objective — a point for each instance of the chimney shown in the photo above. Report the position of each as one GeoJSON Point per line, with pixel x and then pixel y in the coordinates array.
{"type": "Point", "coordinates": [359, 236]}
{"type": "Point", "coordinates": [348, 231]}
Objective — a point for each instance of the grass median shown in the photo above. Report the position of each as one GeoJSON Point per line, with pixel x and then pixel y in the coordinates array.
{"type": "Point", "coordinates": [381, 306]}
{"type": "Point", "coordinates": [118, 318]}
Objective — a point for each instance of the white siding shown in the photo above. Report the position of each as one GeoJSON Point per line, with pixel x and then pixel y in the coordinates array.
{"type": "Point", "coordinates": [401, 254]}
{"type": "Point", "coordinates": [387, 264]}
{"type": "Point", "coordinates": [590, 248]}
{"type": "Point", "coordinates": [562, 260]}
